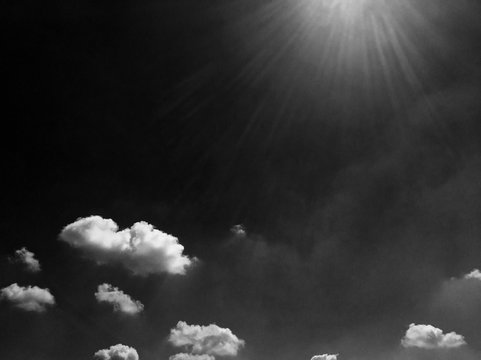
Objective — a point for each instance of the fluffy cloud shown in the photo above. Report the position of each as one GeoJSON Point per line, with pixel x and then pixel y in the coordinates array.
{"type": "Point", "coordinates": [475, 274]}
{"type": "Point", "coordinates": [140, 248]}
{"type": "Point", "coordinates": [238, 230]}
{"type": "Point", "coordinates": [325, 357]}
{"type": "Point", "coordinates": [31, 298]}
{"type": "Point", "coordinates": [27, 258]}
{"type": "Point", "coordinates": [117, 352]}
{"type": "Point", "coordinates": [211, 339]}
{"type": "Point", "coordinates": [430, 337]}
{"type": "Point", "coordinates": [183, 356]}
{"type": "Point", "coordinates": [120, 301]}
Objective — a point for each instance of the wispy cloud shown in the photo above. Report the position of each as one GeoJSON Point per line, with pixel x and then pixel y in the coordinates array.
{"type": "Point", "coordinates": [120, 301]}
{"type": "Point", "coordinates": [27, 258]}
{"type": "Point", "coordinates": [30, 298]}
{"type": "Point", "coordinates": [141, 248]}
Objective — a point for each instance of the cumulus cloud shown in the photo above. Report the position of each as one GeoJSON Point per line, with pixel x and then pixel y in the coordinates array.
{"type": "Point", "coordinates": [430, 337]}
{"type": "Point", "coordinates": [325, 357]}
{"type": "Point", "coordinates": [120, 301]}
{"type": "Point", "coordinates": [31, 298]}
{"type": "Point", "coordinates": [117, 352]}
{"type": "Point", "coordinates": [239, 230]}
{"type": "Point", "coordinates": [141, 248]}
{"type": "Point", "coordinates": [475, 274]}
{"type": "Point", "coordinates": [27, 258]}
{"type": "Point", "coordinates": [211, 339]}
{"type": "Point", "coordinates": [183, 356]}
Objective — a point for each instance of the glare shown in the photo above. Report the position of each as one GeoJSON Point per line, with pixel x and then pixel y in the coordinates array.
{"type": "Point", "coordinates": [352, 55]}
{"type": "Point", "coordinates": [368, 44]}
{"type": "Point", "coordinates": [349, 16]}
{"type": "Point", "coordinates": [350, 9]}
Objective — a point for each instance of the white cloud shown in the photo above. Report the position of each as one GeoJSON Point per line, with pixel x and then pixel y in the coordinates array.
{"type": "Point", "coordinates": [325, 357]}
{"type": "Point", "coordinates": [117, 352]}
{"type": "Point", "coordinates": [140, 248]}
{"type": "Point", "coordinates": [239, 230]}
{"type": "Point", "coordinates": [121, 301]}
{"type": "Point", "coordinates": [430, 337]}
{"type": "Point", "coordinates": [475, 274]}
{"type": "Point", "coordinates": [28, 259]}
{"type": "Point", "coordinates": [31, 298]}
{"type": "Point", "coordinates": [183, 356]}
{"type": "Point", "coordinates": [211, 339]}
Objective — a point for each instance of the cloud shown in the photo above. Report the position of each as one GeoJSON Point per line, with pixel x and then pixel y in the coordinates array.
{"type": "Point", "coordinates": [183, 356]}
{"type": "Point", "coordinates": [325, 357]}
{"type": "Point", "coordinates": [121, 301]}
{"type": "Point", "coordinates": [430, 337]}
{"type": "Point", "coordinates": [475, 274]}
{"type": "Point", "coordinates": [239, 230]}
{"type": "Point", "coordinates": [141, 248]}
{"type": "Point", "coordinates": [117, 352]}
{"type": "Point", "coordinates": [211, 339]}
{"type": "Point", "coordinates": [31, 298]}
{"type": "Point", "coordinates": [27, 258]}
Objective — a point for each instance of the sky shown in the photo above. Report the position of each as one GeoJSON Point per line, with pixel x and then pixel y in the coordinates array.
{"type": "Point", "coordinates": [240, 179]}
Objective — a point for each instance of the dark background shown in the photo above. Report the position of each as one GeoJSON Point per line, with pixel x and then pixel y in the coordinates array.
{"type": "Point", "coordinates": [358, 184]}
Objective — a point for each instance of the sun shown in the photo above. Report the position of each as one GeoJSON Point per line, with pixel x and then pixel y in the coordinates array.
{"type": "Point", "coordinates": [370, 45]}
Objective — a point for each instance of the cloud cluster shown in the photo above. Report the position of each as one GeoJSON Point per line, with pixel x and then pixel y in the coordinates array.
{"type": "Point", "coordinates": [31, 298]}
{"type": "Point", "coordinates": [430, 337]}
{"type": "Point", "coordinates": [27, 258]}
{"type": "Point", "coordinates": [210, 340]}
{"type": "Point", "coordinates": [184, 356]}
{"type": "Point", "coordinates": [325, 357]}
{"type": "Point", "coordinates": [141, 248]}
{"type": "Point", "coordinates": [120, 301]}
{"type": "Point", "coordinates": [117, 352]}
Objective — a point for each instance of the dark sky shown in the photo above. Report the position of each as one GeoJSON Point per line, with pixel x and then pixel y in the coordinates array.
{"type": "Point", "coordinates": [346, 139]}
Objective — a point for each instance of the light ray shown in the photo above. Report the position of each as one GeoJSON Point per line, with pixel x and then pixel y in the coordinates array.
{"type": "Point", "coordinates": [341, 60]}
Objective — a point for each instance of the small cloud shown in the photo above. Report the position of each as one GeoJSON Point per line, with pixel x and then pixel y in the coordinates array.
{"type": "Point", "coordinates": [210, 340]}
{"type": "Point", "coordinates": [183, 356]}
{"type": "Point", "coordinates": [27, 258]}
{"type": "Point", "coordinates": [238, 230]}
{"type": "Point", "coordinates": [325, 357]}
{"type": "Point", "coordinates": [141, 248]}
{"type": "Point", "coordinates": [475, 274]}
{"type": "Point", "coordinates": [31, 298]}
{"type": "Point", "coordinates": [117, 352]}
{"type": "Point", "coordinates": [120, 301]}
{"type": "Point", "coordinates": [430, 337]}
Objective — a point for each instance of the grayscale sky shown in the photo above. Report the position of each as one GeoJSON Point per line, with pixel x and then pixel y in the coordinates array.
{"type": "Point", "coordinates": [241, 179]}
